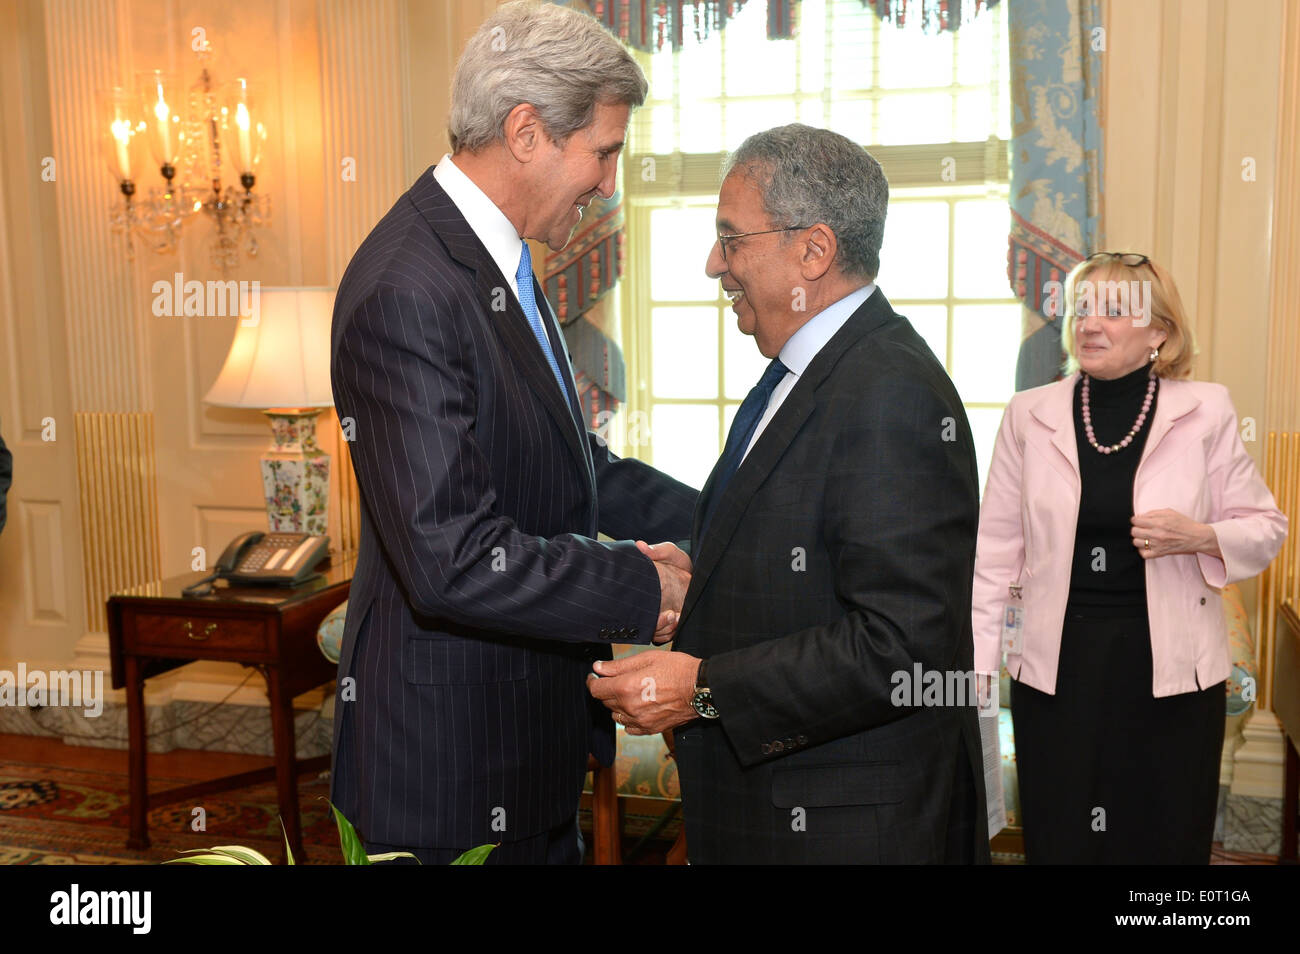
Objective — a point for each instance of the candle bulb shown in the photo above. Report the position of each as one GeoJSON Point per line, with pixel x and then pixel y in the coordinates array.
{"type": "Point", "coordinates": [122, 133]}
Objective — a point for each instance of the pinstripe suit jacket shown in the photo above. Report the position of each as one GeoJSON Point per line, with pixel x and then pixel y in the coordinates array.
{"type": "Point", "coordinates": [841, 552]}
{"type": "Point", "coordinates": [480, 597]}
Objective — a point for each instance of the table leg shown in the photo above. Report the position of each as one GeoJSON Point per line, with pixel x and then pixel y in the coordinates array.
{"type": "Point", "coordinates": [137, 750]}
{"type": "Point", "coordinates": [286, 773]}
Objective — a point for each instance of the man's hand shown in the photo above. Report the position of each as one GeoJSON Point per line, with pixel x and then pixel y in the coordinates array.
{"type": "Point", "coordinates": [674, 568]}
{"type": "Point", "coordinates": [649, 692]}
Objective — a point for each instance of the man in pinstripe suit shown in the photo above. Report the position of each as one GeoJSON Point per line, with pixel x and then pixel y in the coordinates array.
{"type": "Point", "coordinates": [481, 596]}
{"type": "Point", "coordinates": [834, 548]}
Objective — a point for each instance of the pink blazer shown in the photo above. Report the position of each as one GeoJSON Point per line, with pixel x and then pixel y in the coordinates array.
{"type": "Point", "coordinates": [1193, 462]}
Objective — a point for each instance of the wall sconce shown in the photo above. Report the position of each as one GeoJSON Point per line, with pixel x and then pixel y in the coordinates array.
{"type": "Point", "coordinates": [214, 128]}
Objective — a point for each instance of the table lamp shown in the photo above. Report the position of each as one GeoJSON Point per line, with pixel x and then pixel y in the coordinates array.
{"type": "Point", "coordinates": [279, 363]}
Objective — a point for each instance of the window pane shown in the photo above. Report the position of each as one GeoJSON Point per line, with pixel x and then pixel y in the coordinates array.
{"type": "Point", "coordinates": [914, 258]}
{"type": "Point", "coordinates": [685, 438]}
{"type": "Point", "coordinates": [931, 323]}
{"type": "Point", "coordinates": [985, 342]}
{"type": "Point", "coordinates": [984, 424]}
{"type": "Point", "coordinates": [700, 65]}
{"type": "Point", "coordinates": [701, 126]}
{"type": "Point", "coordinates": [915, 118]}
{"type": "Point", "coordinates": [756, 67]}
{"type": "Point", "coordinates": [744, 118]}
{"type": "Point", "coordinates": [980, 269]}
{"type": "Point", "coordinates": [744, 363]}
{"type": "Point", "coordinates": [852, 118]}
{"type": "Point", "coordinates": [975, 49]}
{"type": "Point", "coordinates": [661, 74]}
{"type": "Point", "coordinates": [812, 46]}
{"type": "Point", "coordinates": [910, 58]}
{"type": "Point", "coordinates": [680, 240]}
{"type": "Point", "coordinates": [851, 28]}
{"type": "Point", "coordinates": [684, 345]}
{"type": "Point", "coordinates": [974, 120]}
{"type": "Point", "coordinates": [811, 113]}
{"type": "Point", "coordinates": [662, 133]}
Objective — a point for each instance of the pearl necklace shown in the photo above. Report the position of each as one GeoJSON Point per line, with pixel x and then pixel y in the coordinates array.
{"type": "Point", "coordinates": [1128, 439]}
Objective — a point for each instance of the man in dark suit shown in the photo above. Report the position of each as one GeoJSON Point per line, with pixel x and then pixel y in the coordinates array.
{"type": "Point", "coordinates": [833, 548]}
{"type": "Point", "coordinates": [481, 596]}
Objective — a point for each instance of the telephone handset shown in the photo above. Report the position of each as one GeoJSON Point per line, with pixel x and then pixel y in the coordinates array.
{"type": "Point", "coordinates": [283, 559]}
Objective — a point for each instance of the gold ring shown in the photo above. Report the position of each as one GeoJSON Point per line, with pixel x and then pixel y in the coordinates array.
{"type": "Point", "coordinates": [1147, 543]}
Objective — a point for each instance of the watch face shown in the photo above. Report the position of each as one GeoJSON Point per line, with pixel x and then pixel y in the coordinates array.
{"type": "Point", "coordinates": [702, 702]}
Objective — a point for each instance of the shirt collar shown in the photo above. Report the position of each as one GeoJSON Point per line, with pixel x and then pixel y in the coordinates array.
{"type": "Point", "coordinates": [488, 222]}
{"type": "Point", "coordinates": [820, 328]}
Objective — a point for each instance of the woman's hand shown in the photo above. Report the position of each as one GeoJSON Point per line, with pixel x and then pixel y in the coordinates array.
{"type": "Point", "coordinates": [1158, 533]}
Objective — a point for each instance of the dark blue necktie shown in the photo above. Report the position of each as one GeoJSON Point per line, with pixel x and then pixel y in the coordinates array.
{"type": "Point", "coordinates": [742, 431]}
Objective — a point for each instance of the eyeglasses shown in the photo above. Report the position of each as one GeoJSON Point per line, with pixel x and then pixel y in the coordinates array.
{"type": "Point", "coordinates": [724, 239]}
{"type": "Point", "coordinates": [1130, 259]}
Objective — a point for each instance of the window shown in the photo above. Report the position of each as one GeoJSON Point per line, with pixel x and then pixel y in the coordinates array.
{"type": "Point", "coordinates": [932, 109]}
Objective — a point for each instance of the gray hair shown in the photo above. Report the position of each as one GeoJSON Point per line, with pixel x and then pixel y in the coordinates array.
{"type": "Point", "coordinates": [809, 175]}
{"type": "Point", "coordinates": [561, 61]}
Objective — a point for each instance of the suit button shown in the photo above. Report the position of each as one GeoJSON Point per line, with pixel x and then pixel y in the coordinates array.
{"type": "Point", "coordinates": [631, 633]}
{"type": "Point", "coordinates": [1202, 600]}
{"type": "Point", "coordinates": [766, 748]}
{"type": "Point", "coordinates": [777, 746]}
{"type": "Point", "coordinates": [802, 739]}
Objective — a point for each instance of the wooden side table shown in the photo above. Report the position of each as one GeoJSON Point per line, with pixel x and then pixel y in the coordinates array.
{"type": "Point", "coordinates": [153, 629]}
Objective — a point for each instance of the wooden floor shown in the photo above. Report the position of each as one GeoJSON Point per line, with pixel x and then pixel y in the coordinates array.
{"type": "Point", "coordinates": [180, 763]}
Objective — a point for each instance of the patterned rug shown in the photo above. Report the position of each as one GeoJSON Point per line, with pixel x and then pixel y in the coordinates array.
{"type": "Point", "coordinates": [55, 815]}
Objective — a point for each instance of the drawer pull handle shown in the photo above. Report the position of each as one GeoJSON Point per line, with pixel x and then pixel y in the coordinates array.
{"type": "Point", "coordinates": [208, 630]}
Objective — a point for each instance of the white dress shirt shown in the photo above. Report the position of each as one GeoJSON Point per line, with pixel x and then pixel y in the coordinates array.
{"type": "Point", "coordinates": [804, 345]}
{"type": "Point", "coordinates": [498, 236]}
{"type": "Point", "coordinates": [488, 222]}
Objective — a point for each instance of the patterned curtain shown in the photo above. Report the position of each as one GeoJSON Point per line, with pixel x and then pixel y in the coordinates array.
{"type": "Point", "coordinates": [576, 280]}
{"type": "Point", "coordinates": [937, 16]}
{"type": "Point", "coordinates": [648, 24]}
{"type": "Point", "coordinates": [1056, 171]}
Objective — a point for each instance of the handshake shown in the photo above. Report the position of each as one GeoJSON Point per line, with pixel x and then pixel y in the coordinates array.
{"type": "Point", "coordinates": [674, 567]}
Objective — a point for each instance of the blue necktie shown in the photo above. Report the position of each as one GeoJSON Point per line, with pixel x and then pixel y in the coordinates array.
{"type": "Point", "coordinates": [524, 279]}
{"type": "Point", "coordinates": [742, 431]}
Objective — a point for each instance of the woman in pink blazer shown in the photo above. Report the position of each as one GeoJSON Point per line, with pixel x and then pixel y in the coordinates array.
{"type": "Point", "coordinates": [1119, 500]}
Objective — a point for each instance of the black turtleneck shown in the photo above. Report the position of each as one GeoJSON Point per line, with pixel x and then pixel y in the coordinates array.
{"type": "Point", "coordinates": [1104, 531]}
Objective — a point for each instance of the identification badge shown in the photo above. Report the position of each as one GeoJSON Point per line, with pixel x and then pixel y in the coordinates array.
{"type": "Point", "coordinates": [1013, 625]}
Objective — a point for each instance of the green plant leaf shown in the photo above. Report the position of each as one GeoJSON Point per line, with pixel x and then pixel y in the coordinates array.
{"type": "Point", "coordinates": [390, 855]}
{"type": "Point", "coordinates": [349, 842]}
{"type": "Point", "coordinates": [288, 854]}
{"type": "Point", "coordinates": [205, 859]}
{"type": "Point", "coordinates": [245, 856]}
{"type": "Point", "coordinates": [475, 856]}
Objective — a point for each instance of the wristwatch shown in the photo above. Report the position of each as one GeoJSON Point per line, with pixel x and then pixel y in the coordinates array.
{"type": "Point", "coordinates": [702, 696]}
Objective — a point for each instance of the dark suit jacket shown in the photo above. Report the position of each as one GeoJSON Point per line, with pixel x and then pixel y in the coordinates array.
{"type": "Point", "coordinates": [841, 552]}
{"type": "Point", "coordinates": [480, 597]}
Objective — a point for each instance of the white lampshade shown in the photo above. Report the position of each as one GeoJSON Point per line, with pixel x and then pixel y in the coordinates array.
{"type": "Point", "coordinates": [281, 353]}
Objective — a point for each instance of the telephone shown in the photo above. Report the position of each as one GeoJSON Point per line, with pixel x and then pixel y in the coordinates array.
{"type": "Point", "coordinates": [283, 559]}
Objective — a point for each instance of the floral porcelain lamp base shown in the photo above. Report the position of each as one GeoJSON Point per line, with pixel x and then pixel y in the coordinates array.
{"type": "Point", "coordinates": [296, 473]}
